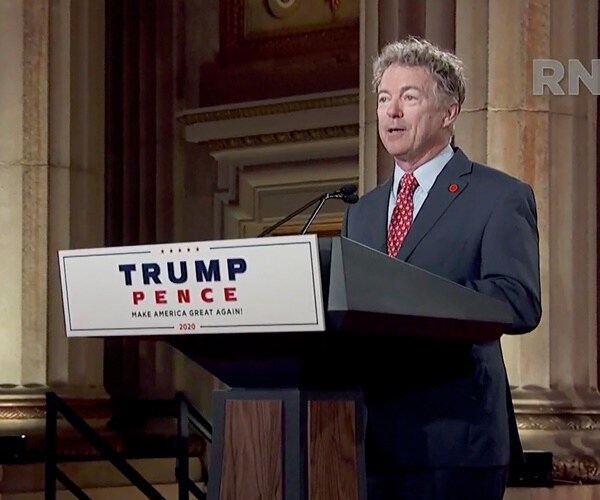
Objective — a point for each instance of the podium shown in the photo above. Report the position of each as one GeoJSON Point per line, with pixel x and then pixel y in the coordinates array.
{"type": "Point", "coordinates": [292, 424]}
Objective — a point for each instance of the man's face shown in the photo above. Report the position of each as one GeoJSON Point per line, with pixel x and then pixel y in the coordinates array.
{"type": "Point", "coordinates": [413, 125]}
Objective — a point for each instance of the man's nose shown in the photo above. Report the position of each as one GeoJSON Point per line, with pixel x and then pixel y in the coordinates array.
{"type": "Point", "coordinates": [394, 108]}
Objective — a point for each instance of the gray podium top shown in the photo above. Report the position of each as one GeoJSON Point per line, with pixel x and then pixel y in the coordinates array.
{"type": "Point", "coordinates": [364, 317]}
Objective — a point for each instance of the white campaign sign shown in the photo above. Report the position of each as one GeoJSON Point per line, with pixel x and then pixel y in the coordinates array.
{"type": "Point", "coordinates": [230, 286]}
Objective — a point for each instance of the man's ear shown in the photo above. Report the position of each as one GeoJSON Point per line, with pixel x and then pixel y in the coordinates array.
{"type": "Point", "coordinates": [450, 114]}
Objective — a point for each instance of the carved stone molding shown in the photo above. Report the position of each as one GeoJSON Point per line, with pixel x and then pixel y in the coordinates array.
{"type": "Point", "coordinates": [576, 469]}
{"type": "Point", "coordinates": [559, 422]}
{"type": "Point", "coordinates": [22, 411]}
{"type": "Point", "coordinates": [316, 116]}
{"type": "Point", "coordinates": [35, 408]}
{"type": "Point", "coordinates": [285, 137]}
{"type": "Point", "coordinates": [267, 109]}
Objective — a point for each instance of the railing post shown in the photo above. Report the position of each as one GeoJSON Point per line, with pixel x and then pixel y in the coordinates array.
{"type": "Point", "coordinates": [182, 469]}
{"type": "Point", "coordinates": [50, 455]}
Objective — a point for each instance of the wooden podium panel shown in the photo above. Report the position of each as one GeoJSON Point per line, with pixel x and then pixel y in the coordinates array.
{"type": "Point", "coordinates": [332, 433]}
{"type": "Point", "coordinates": [287, 444]}
{"type": "Point", "coordinates": [252, 449]}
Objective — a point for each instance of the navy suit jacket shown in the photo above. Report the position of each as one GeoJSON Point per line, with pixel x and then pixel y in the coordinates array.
{"type": "Point", "coordinates": [439, 403]}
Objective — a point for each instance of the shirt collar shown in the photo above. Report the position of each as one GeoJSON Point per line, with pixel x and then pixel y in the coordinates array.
{"type": "Point", "coordinates": [427, 173]}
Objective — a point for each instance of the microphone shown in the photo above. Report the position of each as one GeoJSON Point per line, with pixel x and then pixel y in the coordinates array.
{"type": "Point", "coordinates": [346, 193]}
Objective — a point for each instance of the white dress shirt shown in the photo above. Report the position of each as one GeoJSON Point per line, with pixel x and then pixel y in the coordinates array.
{"type": "Point", "coordinates": [426, 175]}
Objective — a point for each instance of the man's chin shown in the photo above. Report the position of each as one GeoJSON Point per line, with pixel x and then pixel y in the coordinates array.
{"type": "Point", "coordinates": [398, 153]}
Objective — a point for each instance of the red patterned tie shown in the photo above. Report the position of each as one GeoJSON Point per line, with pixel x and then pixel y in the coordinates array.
{"type": "Point", "coordinates": [402, 215]}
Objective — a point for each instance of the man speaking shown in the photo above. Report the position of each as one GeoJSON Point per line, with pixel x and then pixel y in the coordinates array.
{"type": "Point", "coordinates": [443, 428]}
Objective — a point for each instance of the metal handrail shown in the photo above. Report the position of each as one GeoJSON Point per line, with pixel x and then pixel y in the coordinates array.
{"type": "Point", "coordinates": [187, 415]}
{"type": "Point", "coordinates": [54, 406]}
{"type": "Point", "coordinates": [199, 421]}
{"type": "Point", "coordinates": [68, 483]}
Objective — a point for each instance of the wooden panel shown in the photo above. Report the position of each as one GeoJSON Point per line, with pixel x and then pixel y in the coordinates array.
{"type": "Point", "coordinates": [252, 455]}
{"type": "Point", "coordinates": [332, 469]}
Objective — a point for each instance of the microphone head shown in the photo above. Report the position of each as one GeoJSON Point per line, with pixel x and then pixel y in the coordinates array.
{"type": "Point", "coordinates": [350, 198]}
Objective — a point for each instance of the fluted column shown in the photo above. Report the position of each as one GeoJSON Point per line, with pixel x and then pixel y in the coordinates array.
{"type": "Point", "coordinates": [549, 142]}
{"type": "Point", "coordinates": [518, 143]}
{"type": "Point", "coordinates": [572, 224]}
{"type": "Point", "coordinates": [472, 47]}
{"type": "Point", "coordinates": [76, 178]}
{"type": "Point", "coordinates": [24, 181]}
{"type": "Point", "coordinates": [371, 24]}
{"type": "Point", "coordinates": [46, 125]}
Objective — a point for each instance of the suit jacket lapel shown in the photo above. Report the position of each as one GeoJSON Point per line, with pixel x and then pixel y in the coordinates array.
{"type": "Point", "coordinates": [378, 226]}
{"type": "Point", "coordinates": [448, 187]}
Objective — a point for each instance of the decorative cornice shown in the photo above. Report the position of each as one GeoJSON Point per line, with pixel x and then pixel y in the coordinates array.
{"type": "Point", "coordinates": [558, 422]}
{"type": "Point", "coordinates": [285, 137]}
{"type": "Point", "coordinates": [267, 109]}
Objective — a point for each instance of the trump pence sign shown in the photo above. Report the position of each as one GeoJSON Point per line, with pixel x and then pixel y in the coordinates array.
{"type": "Point", "coordinates": [228, 286]}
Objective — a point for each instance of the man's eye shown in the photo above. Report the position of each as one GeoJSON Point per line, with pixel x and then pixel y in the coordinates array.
{"type": "Point", "coordinates": [409, 97]}
{"type": "Point", "coordinates": [383, 98]}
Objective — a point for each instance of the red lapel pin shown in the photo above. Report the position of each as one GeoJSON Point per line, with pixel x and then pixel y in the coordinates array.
{"type": "Point", "coordinates": [453, 188]}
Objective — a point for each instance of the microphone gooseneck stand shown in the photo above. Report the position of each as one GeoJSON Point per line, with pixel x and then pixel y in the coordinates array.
{"type": "Point", "coordinates": [345, 193]}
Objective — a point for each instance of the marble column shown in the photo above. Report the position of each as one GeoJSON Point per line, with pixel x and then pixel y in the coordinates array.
{"type": "Point", "coordinates": [50, 122]}
{"type": "Point", "coordinates": [76, 178]}
{"type": "Point", "coordinates": [369, 150]}
{"type": "Point", "coordinates": [24, 200]}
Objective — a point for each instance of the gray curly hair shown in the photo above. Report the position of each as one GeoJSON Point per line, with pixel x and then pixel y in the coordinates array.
{"type": "Point", "coordinates": [446, 69]}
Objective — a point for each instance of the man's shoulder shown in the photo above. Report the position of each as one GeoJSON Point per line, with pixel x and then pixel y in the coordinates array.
{"type": "Point", "coordinates": [487, 176]}
{"type": "Point", "coordinates": [487, 172]}
{"type": "Point", "coordinates": [500, 184]}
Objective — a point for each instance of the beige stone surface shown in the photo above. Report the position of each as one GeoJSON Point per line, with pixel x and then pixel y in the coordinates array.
{"type": "Point", "coordinates": [557, 493]}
